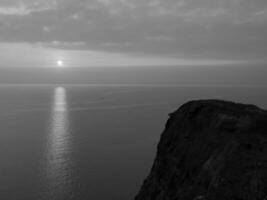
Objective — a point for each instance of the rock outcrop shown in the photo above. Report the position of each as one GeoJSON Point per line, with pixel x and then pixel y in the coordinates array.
{"type": "Point", "coordinates": [210, 150]}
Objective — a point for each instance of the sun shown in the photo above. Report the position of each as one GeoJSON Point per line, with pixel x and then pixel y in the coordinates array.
{"type": "Point", "coordinates": [60, 63]}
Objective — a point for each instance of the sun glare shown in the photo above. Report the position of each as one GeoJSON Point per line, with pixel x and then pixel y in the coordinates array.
{"type": "Point", "coordinates": [60, 63]}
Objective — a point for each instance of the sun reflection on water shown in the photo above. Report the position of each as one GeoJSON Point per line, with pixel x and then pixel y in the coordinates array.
{"type": "Point", "coordinates": [58, 149]}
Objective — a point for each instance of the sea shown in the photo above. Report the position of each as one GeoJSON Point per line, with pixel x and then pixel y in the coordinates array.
{"type": "Point", "coordinates": [91, 141]}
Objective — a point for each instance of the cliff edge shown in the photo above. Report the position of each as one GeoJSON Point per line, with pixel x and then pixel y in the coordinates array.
{"type": "Point", "coordinates": [210, 150]}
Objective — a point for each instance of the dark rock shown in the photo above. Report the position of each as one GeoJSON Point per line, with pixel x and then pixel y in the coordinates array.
{"type": "Point", "coordinates": [210, 150]}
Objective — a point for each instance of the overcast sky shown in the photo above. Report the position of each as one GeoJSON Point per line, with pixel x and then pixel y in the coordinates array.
{"type": "Point", "coordinates": [137, 31]}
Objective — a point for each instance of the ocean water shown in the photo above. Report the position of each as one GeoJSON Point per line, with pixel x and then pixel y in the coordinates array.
{"type": "Point", "coordinates": [97, 142]}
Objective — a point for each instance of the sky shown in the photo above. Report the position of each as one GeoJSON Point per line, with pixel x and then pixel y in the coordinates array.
{"type": "Point", "coordinates": [132, 32]}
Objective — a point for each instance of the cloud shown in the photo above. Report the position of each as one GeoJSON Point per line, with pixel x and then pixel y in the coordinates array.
{"type": "Point", "coordinates": [233, 29]}
{"type": "Point", "coordinates": [22, 8]}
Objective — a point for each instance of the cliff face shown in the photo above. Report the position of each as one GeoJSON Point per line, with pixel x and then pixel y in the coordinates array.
{"type": "Point", "coordinates": [212, 150]}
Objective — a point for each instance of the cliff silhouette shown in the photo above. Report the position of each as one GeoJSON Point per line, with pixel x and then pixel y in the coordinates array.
{"type": "Point", "coordinates": [210, 150]}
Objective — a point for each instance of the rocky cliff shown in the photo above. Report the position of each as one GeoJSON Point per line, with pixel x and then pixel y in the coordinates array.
{"type": "Point", "coordinates": [210, 150]}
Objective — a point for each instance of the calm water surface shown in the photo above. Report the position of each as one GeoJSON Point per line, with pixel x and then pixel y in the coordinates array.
{"type": "Point", "coordinates": [89, 142]}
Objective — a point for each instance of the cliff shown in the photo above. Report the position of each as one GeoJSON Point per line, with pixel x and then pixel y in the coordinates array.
{"type": "Point", "coordinates": [210, 150]}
